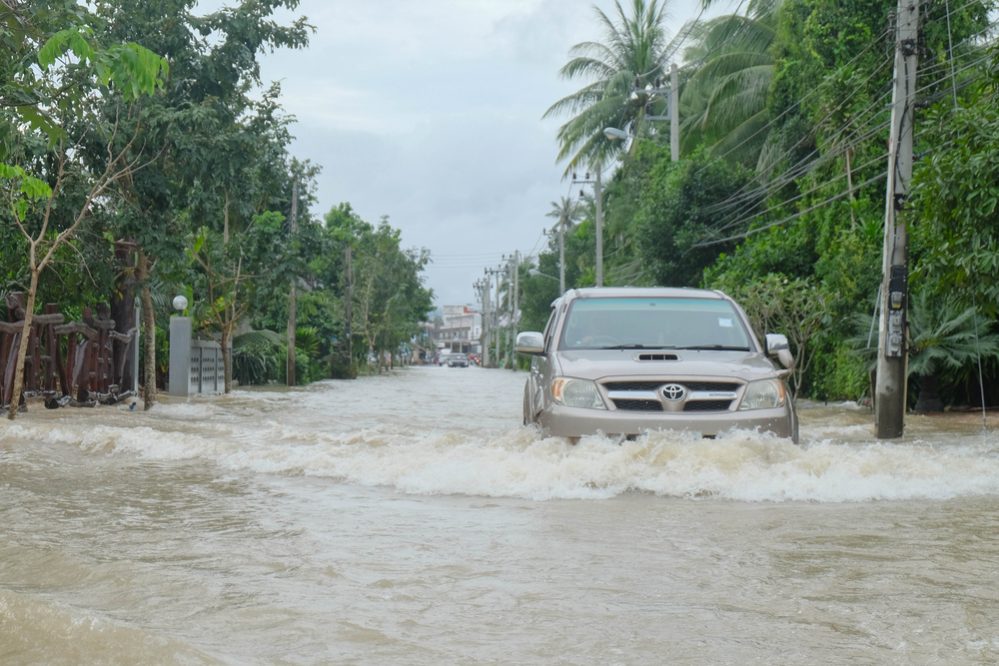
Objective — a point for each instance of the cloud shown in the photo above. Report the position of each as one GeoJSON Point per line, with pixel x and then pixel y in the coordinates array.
{"type": "Point", "coordinates": [430, 112]}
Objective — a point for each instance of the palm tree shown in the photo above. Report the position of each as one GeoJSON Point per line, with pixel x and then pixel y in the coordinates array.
{"type": "Point", "coordinates": [633, 55]}
{"type": "Point", "coordinates": [724, 102]}
{"type": "Point", "coordinates": [566, 211]}
{"type": "Point", "coordinates": [946, 342]}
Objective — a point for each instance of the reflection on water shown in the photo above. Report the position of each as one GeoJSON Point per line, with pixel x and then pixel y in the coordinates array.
{"type": "Point", "coordinates": [408, 519]}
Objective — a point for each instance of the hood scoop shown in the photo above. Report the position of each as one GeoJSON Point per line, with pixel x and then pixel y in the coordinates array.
{"type": "Point", "coordinates": [658, 356]}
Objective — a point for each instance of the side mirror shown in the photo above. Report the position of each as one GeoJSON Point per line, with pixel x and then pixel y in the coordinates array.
{"type": "Point", "coordinates": [530, 342]}
{"type": "Point", "coordinates": [777, 345]}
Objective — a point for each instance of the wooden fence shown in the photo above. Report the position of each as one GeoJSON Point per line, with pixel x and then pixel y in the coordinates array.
{"type": "Point", "coordinates": [77, 362]}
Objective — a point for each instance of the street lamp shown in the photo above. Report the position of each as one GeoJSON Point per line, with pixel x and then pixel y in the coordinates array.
{"type": "Point", "coordinates": [615, 134]}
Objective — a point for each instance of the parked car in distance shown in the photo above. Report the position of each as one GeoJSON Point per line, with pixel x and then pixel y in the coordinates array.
{"type": "Point", "coordinates": [623, 361]}
{"type": "Point", "coordinates": [457, 361]}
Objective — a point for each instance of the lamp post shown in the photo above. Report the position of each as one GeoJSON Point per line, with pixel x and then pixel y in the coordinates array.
{"type": "Point", "coordinates": [180, 349]}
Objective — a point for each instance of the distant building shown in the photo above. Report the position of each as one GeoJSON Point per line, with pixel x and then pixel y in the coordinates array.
{"type": "Point", "coordinates": [459, 330]}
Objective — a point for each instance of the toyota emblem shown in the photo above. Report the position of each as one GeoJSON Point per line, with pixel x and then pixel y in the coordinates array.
{"type": "Point", "coordinates": [673, 392]}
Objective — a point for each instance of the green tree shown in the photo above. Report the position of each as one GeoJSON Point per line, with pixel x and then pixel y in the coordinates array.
{"type": "Point", "coordinates": [676, 215]}
{"type": "Point", "coordinates": [71, 65]}
{"type": "Point", "coordinates": [381, 290]}
{"type": "Point", "coordinates": [794, 307]}
{"type": "Point", "coordinates": [955, 199]}
{"type": "Point", "coordinates": [947, 343]}
{"type": "Point", "coordinates": [624, 251]}
{"type": "Point", "coordinates": [634, 53]}
{"type": "Point", "coordinates": [223, 151]}
{"type": "Point", "coordinates": [566, 210]}
{"type": "Point", "coordinates": [724, 100]}
{"type": "Point", "coordinates": [234, 272]}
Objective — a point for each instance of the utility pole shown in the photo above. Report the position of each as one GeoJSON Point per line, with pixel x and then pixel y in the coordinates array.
{"type": "Point", "coordinates": [890, 392]}
{"type": "Point", "coordinates": [673, 104]}
{"type": "Point", "coordinates": [598, 201]}
{"type": "Point", "coordinates": [561, 257]}
{"type": "Point", "coordinates": [674, 113]}
{"type": "Point", "coordinates": [508, 270]}
{"type": "Point", "coordinates": [494, 317]}
{"type": "Point", "coordinates": [292, 293]}
{"type": "Point", "coordinates": [515, 317]}
{"type": "Point", "coordinates": [562, 222]}
{"type": "Point", "coordinates": [483, 286]}
{"type": "Point", "coordinates": [348, 253]}
{"type": "Point", "coordinates": [599, 197]}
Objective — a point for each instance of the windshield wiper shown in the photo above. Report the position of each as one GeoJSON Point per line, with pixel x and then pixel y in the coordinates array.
{"type": "Point", "coordinates": [634, 345]}
{"type": "Point", "coordinates": [713, 348]}
{"type": "Point", "coordinates": [638, 345]}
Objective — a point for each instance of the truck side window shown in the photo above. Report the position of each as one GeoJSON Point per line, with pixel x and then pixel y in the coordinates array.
{"type": "Point", "coordinates": [549, 327]}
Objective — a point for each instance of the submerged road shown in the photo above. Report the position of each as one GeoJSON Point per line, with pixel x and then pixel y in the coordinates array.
{"type": "Point", "coordinates": [410, 519]}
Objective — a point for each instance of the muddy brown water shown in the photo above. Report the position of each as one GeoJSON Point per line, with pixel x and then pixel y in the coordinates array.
{"type": "Point", "coordinates": [410, 519]}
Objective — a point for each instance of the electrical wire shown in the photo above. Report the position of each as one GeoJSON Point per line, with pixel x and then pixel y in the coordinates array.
{"type": "Point", "coordinates": [794, 171]}
{"type": "Point", "coordinates": [791, 175]}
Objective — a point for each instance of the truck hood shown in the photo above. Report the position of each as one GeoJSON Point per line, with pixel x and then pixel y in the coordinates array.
{"type": "Point", "coordinates": [596, 364]}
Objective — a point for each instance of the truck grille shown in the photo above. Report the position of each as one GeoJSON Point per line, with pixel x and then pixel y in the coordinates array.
{"type": "Point", "coordinates": [643, 395]}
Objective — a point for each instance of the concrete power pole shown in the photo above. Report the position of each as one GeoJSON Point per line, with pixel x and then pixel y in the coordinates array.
{"type": "Point", "coordinates": [598, 196]}
{"type": "Point", "coordinates": [890, 390]}
{"type": "Point", "coordinates": [562, 221]}
{"type": "Point", "coordinates": [674, 113]}
{"type": "Point", "coordinates": [486, 324]}
{"type": "Point", "coordinates": [598, 201]}
{"type": "Point", "coordinates": [494, 321]}
{"type": "Point", "coordinates": [292, 293]}
{"type": "Point", "coordinates": [515, 310]}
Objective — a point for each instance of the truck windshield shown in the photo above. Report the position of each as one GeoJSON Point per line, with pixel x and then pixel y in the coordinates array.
{"type": "Point", "coordinates": [654, 323]}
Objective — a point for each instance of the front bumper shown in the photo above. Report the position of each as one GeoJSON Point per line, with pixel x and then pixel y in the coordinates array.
{"type": "Point", "coordinates": [563, 421]}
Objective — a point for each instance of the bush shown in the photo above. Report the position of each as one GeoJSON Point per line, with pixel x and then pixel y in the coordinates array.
{"type": "Point", "coordinates": [257, 357]}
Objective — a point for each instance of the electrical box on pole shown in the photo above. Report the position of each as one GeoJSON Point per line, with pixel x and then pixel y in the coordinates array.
{"type": "Point", "coordinates": [890, 389]}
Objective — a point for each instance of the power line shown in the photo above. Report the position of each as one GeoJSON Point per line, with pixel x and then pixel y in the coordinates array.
{"type": "Point", "coordinates": [790, 175]}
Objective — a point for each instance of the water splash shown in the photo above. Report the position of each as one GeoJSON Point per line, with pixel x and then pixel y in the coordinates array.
{"type": "Point", "coordinates": [446, 434]}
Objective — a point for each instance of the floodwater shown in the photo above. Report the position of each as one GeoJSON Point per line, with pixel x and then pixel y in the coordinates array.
{"type": "Point", "coordinates": [410, 519]}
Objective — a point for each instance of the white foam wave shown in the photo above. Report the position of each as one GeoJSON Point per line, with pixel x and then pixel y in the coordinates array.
{"type": "Point", "coordinates": [518, 462]}
{"type": "Point", "coordinates": [430, 432]}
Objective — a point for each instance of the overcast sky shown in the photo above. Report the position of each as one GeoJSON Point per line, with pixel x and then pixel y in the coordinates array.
{"type": "Point", "coordinates": [429, 112]}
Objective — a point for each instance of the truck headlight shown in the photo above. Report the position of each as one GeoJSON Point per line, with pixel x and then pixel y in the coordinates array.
{"type": "Point", "coordinates": [577, 393]}
{"type": "Point", "coordinates": [764, 394]}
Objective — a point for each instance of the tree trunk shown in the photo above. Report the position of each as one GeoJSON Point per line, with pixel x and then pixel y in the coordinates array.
{"type": "Point", "coordinates": [123, 313]}
{"type": "Point", "coordinates": [225, 343]}
{"type": "Point", "coordinates": [22, 348]}
{"type": "Point", "coordinates": [290, 378]}
{"type": "Point", "coordinates": [149, 334]}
